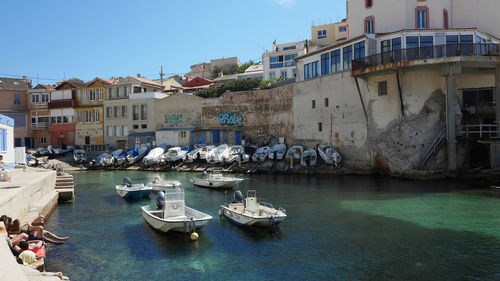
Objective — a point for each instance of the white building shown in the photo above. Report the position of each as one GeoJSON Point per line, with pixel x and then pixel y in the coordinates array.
{"type": "Point", "coordinates": [280, 61]}
{"type": "Point", "coordinates": [7, 139]}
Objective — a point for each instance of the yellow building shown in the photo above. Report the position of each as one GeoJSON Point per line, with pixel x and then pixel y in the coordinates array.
{"type": "Point", "coordinates": [89, 116]}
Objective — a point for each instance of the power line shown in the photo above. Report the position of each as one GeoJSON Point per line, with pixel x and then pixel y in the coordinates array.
{"type": "Point", "coordinates": [30, 77]}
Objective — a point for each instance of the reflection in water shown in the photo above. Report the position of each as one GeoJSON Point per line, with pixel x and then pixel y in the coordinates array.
{"type": "Point", "coordinates": [343, 228]}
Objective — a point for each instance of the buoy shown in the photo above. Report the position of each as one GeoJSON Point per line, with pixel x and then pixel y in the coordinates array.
{"type": "Point", "coordinates": [220, 212]}
{"type": "Point", "coordinates": [194, 236]}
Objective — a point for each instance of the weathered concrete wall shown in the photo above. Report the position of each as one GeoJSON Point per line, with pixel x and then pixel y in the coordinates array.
{"type": "Point", "coordinates": [258, 114]}
{"type": "Point", "coordinates": [177, 111]}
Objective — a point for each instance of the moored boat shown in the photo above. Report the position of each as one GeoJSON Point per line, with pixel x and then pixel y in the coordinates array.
{"type": "Point", "coordinates": [249, 212]}
{"type": "Point", "coordinates": [195, 153]}
{"type": "Point", "coordinates": [329, 154]}
{"type": "Point", "coordinates": [96, 162]}
{"type": "Point", "coordinates": [130, 191]}
{"type": "Point", "coordinates": [215, 180]}
{"type": "Point", "coordinates": [294, 153]}
{"type": "Point", "coordinates": [204, 151]}
{"type": "Point", "coordinates": [111, 159]}
{"type": "Point", "coordinates": [277, 152]}
{"type": "Point", "coordinates": [137, 155]}
{"type": "Point", "coordinates": [168, 212]}
{"type": "Point", "coordinates": [308, 157]}
{"type": "Point", "coordinates": [215, 156]}
{"type": "Point", "coordinates": [153, 157]}
{"type": "Point", "coordinates": [79, 156]}
{"type": "Point", "coordinates": [236, 152]}
{"type": "Point", "coordinates": [261, 154]}
{"type": "Point", "coordinates": [122, 158]}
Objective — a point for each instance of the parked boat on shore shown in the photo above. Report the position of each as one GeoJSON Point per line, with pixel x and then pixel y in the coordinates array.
{"type": "Point", "coordinates": [308, 157]}
{"type": "Point", "coordinates": [153, 157]}
{"type": "Point", "coordinates": [215, 156]}
{"type": "Point", "coordinates": [61, 151]}
{"type": "Point", "coordinates": [130, 191]}
{"type": "Point", "coordinates": [175, 154]}
{"type": "Point", "coordinates": [247, 211]}
{"type": "Point", "coordinates": [329, 154]}
{"type": "Point", "coordinates": [122, 158]}
{"type": "Point", "coordinates": [79, 156]}
{"type": "Point", "coordinates": [294, 153]}
{"type": "Point", "coordinates": [111, 159]}
{"type": "Point", "coordinates": [96, 162]}
{"type": "Point", "coordinates": [204, 151]}
{"type": "Point", "coordinates": [215, 180]}
{"type": "Point", "coordinates": [261, 154]}
{"type": "Point", "coordinates": [236, 152]}
{"type": "Point", "coordinates": [168, 212]}
{"type": "Point", "coordinates": [137, 154]}
{"type": "Point", "coordinates": [277, 152]}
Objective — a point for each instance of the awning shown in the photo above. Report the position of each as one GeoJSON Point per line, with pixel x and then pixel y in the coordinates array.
{"type": "Point", "coordinates": [142, 134]}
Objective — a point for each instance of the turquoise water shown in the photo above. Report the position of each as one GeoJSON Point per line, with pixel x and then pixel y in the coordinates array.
{"type": "Point", "coordinates": [338, 228]}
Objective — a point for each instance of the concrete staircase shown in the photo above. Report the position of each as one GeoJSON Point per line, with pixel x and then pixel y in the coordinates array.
{"type": "Point", "coordinates": [65, 186]}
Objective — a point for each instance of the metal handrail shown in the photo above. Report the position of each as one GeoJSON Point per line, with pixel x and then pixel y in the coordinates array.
{"type": "Point", "coordinates": [430, 52]}
{"type": "Point", "coordinates": [483, 130]}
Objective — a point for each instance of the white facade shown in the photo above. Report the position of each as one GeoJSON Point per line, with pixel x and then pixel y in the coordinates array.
{"type": "Point", "coordinates": [279, 62]}
{"type": "Point", "coordinates": [7, 139]}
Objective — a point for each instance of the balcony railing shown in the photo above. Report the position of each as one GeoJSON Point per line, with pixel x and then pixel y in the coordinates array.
{"type": "Point", "coordinates": [480, 131]}
{"type": "Point", "coordinates": [39, 105]}
{"type": "Point", "coordinates": [431, 52]}
{"type": "Point", "coordinates": [40, 126]}
{"type": "Point", "coordinates": [61, 104]}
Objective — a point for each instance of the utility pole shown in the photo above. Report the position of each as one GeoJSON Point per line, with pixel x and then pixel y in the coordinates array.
{"type": "Point", "coordinates": [161, 75]}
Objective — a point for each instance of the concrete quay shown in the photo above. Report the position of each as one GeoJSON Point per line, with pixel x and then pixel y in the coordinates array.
{"type": "Point", "coordinates": [30, 193]}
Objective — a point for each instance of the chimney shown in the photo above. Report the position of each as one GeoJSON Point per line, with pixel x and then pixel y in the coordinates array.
{"type": "Point", "coordinates": [138, 75]}
{"type": "Point", "coordinates": [187, 79]}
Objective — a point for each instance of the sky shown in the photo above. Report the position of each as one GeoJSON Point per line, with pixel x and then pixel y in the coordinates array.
{"type": "Point", "coordinates": [53, 40]}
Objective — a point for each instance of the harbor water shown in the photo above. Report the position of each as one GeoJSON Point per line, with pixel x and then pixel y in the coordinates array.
{"type": "Point", "coordinates": [338, 228]}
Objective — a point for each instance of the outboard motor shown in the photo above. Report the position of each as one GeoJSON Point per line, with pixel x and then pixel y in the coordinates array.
{"type": "Point", "coordinates": [127, 181]}
{"type": "Point", "coordinates": [159, 200]}
{"type": "Point", "coordinates": [238, 197]}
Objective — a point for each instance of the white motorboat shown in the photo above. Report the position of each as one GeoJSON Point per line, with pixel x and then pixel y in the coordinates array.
{"type": "Point", "coordinates": [261, 154]}
{"type": "Point", "coordinates": [96, 162]}
{"type": "Point", "coordinates": [215, 156]}
{"type": "Point", "coordinates": [215, 180]}
{"type": "Point", "coordinates": [329, 154]}
{"type": "Point", "coordinates": [153, 156]}
{"type": "Point", "coordinates": [236, 152]}
{"type": "Point", "coordinates": [204, 151]}
{"type": "Point", "coordinates": [44, 151]}
{"type": "Point", "coordinates": [174, 154]}
{"type": "Point", "coordinates": [61, 151]}
{"type": "Point", "coordinates": [160, 184]}
{"type": "Point", "coordinates": [308, 157]}
{"type": "Point", "coordinates": [79, 156]}
{"type": "Point", "coordinates": [247, 211]}
{"type": "Point", "coordinates": [195, 153]}
{"type": "Point", "coordinates": [294, 153]}
{"type": "Point", "coordinates": [111, 159]}
{"type": "Point", "coordinates": [277, 150]}
{"type": "Point", "coordinates": [137, 155]}
{"type": "Point", "coordinates": [130, 191]}
{"type": "Point", "coordinates": [168, 212]}
{"type": "Point", "coordinates": [122, 158]}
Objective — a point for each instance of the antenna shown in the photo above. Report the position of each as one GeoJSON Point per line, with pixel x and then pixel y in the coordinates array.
{"type": "Point", "coordinates": [161, 75]}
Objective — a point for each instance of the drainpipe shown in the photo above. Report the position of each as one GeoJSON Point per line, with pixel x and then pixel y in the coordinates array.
{"type": "Point", "coordinates": [400, 94]}
{"type": "Point", "coordinates": [361, 99]}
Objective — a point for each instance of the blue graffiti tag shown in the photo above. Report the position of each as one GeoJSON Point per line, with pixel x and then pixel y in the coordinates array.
{"type": "Point", "coordinates": [230, 119]}
{"type": "Point", "coordinates": [173, 118]}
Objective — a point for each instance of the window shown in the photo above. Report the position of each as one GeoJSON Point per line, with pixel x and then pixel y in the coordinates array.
{"type": "Point", "coordinates": [290, 48]}
{"type": "Point", "coordinates": [127, 91]}
{"type": "Point", "coordinates": [59, 119]}
{"type": "Point", "coordinates": [92, 95]}
{"type": "Point", "coordinates": [108, 112]}
{"type": "Point", "coordinates": [276, 65]}
{"type": "Point", "coordinates": [65, 119]}
{"type": "Point", "coordinates": [35, 98]}
{"type": "Point", "coordinates": [382, 88]}
{"type": "Point", "coordinates": [291, 56]}
{"type": "Point", "coordinates": [368, 3]}
{"type": "Point", "coordinates": [43, 140]}
{"type": "Point", "coordinates": [99, 94]}
{"type": "Point", "coordinates": [110, 90]}
{"type": "Point", "coordinates": [421, 21]}
{"type": "Point", "coordinates": [144, 115]}
{"type": "Point", "coordinates": [320, 127]}
{"type": "Point", "coordinates": [307, 71]}
{"type": "Point", "coordinates": [183, 134]}
{"type": "Point", "coordinates": [116, 111]}
{"type": "Point", "coordinates": [385, 46]}
{"type": "Point", "coordinates": [342, 28]}
{"type": "Point", "coordinates": [411, 42]}
{"type": "Point", "coordinates": [3, 139]}
{"type": "Point", "coordinates": [466, 46]}
{"type": "Point", "coordinates": [117, 131]}
{"type": "Point", "coordinates": [124, 111]}
{"type": "Point", "coordinates": [135, 126]}
{"type": "Point", "coordinates": [314, 69]}
{"type": "Point", "coordinates": [118, 92]}
{"type": "Point", "coordinates": [326, 102]}
{"type": "Point", "coordinates": [445, 18]}
{"type": "Point", "coordinates": [359, 50]}
{"type": "Point", "coordinates": [124, 130]}
{"type": "Point", "coordinates": [96, 115]}
{"type": "Point", "coordinates": [313, 103]}
{"type": "Point", "coordinates": [17, 99]}
{"type": "Point", "coordinates": [88, 118]}
{"type": "Point", "coordinates": [325, 64]}
{"type": "Point", "coordinates": [335, 61]}
{"type": "Point", "coordinates": [370, 25]}
{"type": "Point", "coordinates": [137, 89]}
{"type": "Point", "coordinates": [321, 34]}
{"type": "Point", "coordinates": [45, 97]}
{"type": "Point", "coordinates": [347, 56]}
{"type": "Point", "coordinates": [110, 131]}
{"type": "Point", "coordinates": [52, 120]}
{"type": "Point", "coordinates": [135, 112]}
{"type": "Point", "coordinates": [272, 75]}
{"type": "Point", "coordinates": [284, 74]}
{"type": "Point", "coordinates": [144, 126]}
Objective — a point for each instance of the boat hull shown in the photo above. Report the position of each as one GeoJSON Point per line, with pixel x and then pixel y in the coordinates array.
{"type": "Point", "coordinates": [177, 224]}
{"type": "Point", "coordinates": [215, 183]}
{"type": "Point", "coordinates": [245, 220]}
{"type": "Point", "coordinates": [133, 194]}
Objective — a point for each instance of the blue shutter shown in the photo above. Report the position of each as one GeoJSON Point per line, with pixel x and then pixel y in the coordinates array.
{"type": "Point", "coordinates": [4, 140]}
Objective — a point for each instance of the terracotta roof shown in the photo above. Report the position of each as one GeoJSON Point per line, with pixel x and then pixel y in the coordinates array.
{"type": "Point", "coordinates": [197, 82]}
{"type": "Point", "coordinates": [76, 83]}
{"type": "Point", "coordinates": [42, 86]}
{"type": "Point", "coordinates": [146, 81]}
{"type": "Point", "coordinates": [105, 81]}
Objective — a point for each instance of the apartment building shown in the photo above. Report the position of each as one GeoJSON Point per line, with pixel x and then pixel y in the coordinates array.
{"type": "Point", "coordinates": [14, 104]}
{"type": "Point", "coordinates": [39, 114]}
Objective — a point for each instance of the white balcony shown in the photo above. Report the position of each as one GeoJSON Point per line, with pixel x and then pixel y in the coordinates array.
{"type": "Point", "coordinates": [40, 126]}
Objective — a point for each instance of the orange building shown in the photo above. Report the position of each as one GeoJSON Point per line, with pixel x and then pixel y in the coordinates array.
{"type": "Point", "coordinates": [39, 114]}
{"type": "Point", "coordinates": [14, 104]}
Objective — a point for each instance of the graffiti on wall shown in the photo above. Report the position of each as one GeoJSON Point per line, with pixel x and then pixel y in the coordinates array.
{"type": "Point", "coordinates": [173, 118]}
{"type": "Point", "coordinates": [230, 119]}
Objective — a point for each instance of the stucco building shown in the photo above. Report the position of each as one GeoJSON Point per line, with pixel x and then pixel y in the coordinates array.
{"type": "Point", "coordinates": [14, 104]}
{"type": "Point", "coordinates": [7, 139]}
{"type": "Point", "coordinates": [280, 61]}
{"type": "Point", "coordinates": [39, 115]}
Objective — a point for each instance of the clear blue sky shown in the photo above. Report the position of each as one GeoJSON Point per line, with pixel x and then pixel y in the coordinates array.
{"type": "Point", "coordinates": [91, 38]}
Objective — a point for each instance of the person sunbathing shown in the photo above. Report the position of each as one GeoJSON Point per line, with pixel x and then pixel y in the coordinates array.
{"type": "Point", "coordinates": [38, 233]}
{"type": "Point", "coordinates": [26, 254]}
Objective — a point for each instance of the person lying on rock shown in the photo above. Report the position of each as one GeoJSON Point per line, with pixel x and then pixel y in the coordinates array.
{"type": "Point", "coordinates": [38, 233]}
{"type": "Point", "coordinates": [26, 255]}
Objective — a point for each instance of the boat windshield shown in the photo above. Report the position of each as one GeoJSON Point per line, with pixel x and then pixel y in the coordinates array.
{"type": "Point", "coordinates": [174, 195]}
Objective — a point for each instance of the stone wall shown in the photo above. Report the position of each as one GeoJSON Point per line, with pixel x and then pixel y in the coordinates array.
{"type": "Point", "coordinates": [258, 114]}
